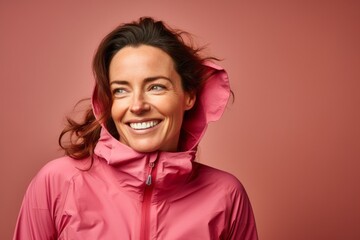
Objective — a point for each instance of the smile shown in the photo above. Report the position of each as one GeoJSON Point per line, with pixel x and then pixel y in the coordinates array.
{"type": "Point", "coordinates": [144, 125]}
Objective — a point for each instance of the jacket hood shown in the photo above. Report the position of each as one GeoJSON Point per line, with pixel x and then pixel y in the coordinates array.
{"type": "Point", "coordinates": [211, 102]}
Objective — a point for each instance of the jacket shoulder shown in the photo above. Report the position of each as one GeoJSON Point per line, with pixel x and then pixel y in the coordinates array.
{"type": "Point", "coordinates": [63, 167]}
{"type": "Point", "coordinates": [45, 197]}
{"type": "Point", "coordinates": [223, 179]}
{"type": "Point", "coordinates": [52, 180]}
{"type": "Point", "coordinates": [227, 190]}
{"type": "Point", "coordinates": [59, 170]}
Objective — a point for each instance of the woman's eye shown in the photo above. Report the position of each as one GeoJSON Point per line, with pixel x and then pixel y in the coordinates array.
{"type": "Point", "coordinates": [157, 88]}
{"type": "Point", "coordinates": [119, 91]}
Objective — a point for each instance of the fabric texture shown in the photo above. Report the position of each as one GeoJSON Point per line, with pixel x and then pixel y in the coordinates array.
{"type": "Point", "coordinates": [112, 200]}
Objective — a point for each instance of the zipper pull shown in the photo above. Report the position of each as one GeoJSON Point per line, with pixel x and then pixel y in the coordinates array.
{"type": "Point", "coordinates": [149, 177]}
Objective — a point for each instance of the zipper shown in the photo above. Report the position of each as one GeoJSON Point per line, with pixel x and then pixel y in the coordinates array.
{"type": "Point", "coordinates": [149, 177]}
{"type": "Point", "coordinates": [146, 204]}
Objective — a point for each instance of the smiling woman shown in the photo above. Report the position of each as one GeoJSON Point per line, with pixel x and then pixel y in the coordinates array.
{"type": "Point", "coordinates": [130, 170]}
{"type": "Point", "coordinates": [149, 105]}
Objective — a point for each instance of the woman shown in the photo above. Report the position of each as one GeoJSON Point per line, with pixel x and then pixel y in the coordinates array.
{"type": "Point", "coordinates": [130, 170]}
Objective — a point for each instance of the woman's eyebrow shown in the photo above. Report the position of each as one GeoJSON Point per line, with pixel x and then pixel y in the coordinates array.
{"type": "Point", "coordinates": [150, 79]}
{"type": "Point", "coordinates": [146, 80]}
{"type": "Point", "coordinates": [120, 82]}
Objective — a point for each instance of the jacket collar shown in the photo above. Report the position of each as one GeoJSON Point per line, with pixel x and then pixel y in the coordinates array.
{"type": "Point", "coordinates": [132, 168]}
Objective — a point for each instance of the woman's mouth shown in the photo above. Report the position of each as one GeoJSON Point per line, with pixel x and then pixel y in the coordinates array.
{"type": "Point", "coordinates": [144, 125]}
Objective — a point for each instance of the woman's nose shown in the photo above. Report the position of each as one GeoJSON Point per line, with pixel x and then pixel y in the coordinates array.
{"type": "Point", "coordinates": [139, 104]}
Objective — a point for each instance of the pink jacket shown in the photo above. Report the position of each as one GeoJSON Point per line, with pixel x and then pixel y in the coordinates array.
{"type": "Point", "coordinates": [132, 195]}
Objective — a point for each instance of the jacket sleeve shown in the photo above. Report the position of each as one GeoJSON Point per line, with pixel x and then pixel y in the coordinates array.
{"type": "Point", "coordinates": [243, 226]}
{"type": "Point", "coordinates": [36, 217]}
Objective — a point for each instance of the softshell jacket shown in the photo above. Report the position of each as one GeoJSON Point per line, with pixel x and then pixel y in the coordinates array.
{"type": "Point", "coordinates": [131, 195]}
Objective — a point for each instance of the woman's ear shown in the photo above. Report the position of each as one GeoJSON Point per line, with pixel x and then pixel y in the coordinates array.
{"type": "Point", "coordinates": [190, 99]}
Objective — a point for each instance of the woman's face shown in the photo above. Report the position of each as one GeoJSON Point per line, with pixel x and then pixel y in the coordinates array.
{"type": "Point", "coordinates": [148, 99]}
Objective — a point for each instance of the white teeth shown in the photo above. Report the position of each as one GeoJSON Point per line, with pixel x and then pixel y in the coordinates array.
{"type": "Point", "coordinates": [143, 125]}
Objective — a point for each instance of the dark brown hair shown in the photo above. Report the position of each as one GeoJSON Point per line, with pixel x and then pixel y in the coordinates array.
{"type": "Point", "coordinates": [84, 135]}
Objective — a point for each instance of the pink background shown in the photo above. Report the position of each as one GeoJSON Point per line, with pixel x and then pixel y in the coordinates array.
{"type": "Point", "coordinates": [292, 136]}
